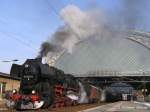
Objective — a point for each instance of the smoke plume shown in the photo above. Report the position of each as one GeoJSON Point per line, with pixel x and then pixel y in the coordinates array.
{"type": "Point", "coordinates": [80, 25]}
{"type": "Point", "coordinates": [45, 48]}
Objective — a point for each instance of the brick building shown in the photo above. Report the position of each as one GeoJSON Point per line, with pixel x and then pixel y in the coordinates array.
{"type": "Point", "coordinates": [8, 83]}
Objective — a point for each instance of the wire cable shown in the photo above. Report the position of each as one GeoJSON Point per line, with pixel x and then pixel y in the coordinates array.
{"type": "Point", "coordinates": [19, 40]}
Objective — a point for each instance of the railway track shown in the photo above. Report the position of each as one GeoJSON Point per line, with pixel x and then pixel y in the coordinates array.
{"type": "Point", "coordinates": [77, 108]}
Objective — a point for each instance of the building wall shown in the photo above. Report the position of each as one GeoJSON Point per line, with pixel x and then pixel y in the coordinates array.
{"type": "Point", "coordinates": [7, 83]}
{"type": "Point", "coordinates": [10, 83]}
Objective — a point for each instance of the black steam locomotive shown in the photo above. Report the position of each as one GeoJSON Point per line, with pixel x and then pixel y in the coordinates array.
{"type": "Point", "coordinates": [43, 86]}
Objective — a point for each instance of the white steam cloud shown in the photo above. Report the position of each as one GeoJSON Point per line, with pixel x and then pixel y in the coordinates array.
{"type": "Point", "coordinates": [81, 24]}
{"type": "Point", "coordinates": [78, 26]}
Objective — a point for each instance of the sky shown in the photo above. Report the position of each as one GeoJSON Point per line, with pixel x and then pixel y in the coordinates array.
{"type": "Point", "coordinates": [25, 24]}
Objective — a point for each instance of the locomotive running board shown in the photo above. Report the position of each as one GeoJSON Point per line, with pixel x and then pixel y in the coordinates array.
{"type": "Point", "coordinates": [38, 105]}
{"type": "Point", "coordinates": [73, 97]}
{"type": "Point", "coordinates": [32, 106]}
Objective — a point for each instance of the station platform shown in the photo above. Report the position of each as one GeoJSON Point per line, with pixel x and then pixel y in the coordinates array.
{"type": "Point", "coordinates": [121, 106]}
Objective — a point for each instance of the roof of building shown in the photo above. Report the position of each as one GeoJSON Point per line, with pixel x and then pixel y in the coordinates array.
{"type": "Point", "coordinates": [5, 75]}
{"type": "Point", "coordinates": [106, 54]}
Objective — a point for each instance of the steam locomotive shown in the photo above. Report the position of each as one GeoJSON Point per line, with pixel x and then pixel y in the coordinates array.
{"type": "Point", "coordinates": [43, 86]}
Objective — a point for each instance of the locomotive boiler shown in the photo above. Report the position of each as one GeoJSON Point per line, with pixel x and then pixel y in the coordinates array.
{"type": "Point", "coordinates": [44, 86]}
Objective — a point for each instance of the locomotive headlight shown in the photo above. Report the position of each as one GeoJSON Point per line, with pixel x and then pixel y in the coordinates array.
{"type": "Point", "coordinates": [33, 92]}
{"type": "Point", "coordinates": [14, 91]}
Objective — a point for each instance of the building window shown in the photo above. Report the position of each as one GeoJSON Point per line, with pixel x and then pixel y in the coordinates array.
{"type": "Point", "coordinates": [2, 88]}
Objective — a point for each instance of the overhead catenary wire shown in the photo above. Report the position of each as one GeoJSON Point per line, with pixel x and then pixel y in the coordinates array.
{"type": "Point", "coordinates": [13, 60]}
{"type": "Point", "coordinates": [14, 37]}
{"type": "Point", "coordinates": [14, 33]}
{"type": "Point", "coordinates": [52, 8]}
